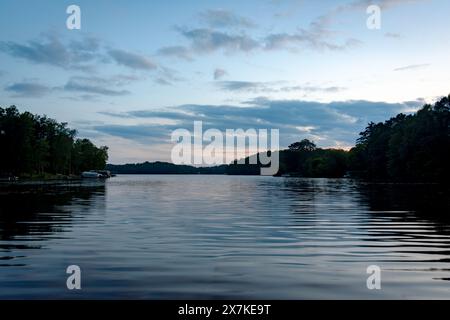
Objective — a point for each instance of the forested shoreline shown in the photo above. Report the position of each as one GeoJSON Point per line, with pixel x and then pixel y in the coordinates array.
{"type": "Point", "coordinates": [37, 146]}
{"type": "Point", "coordinates": [411, 148]}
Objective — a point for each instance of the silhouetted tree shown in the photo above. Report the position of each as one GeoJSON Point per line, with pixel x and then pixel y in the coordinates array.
{"type": "Point", "coordinates": [406, 147]}
{"type": "Point", "coordinates": [33, 144]}
{"type": "Point", "coordinates": [304, 145]}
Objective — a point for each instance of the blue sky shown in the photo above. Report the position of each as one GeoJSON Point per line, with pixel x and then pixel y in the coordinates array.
{"type": "Point", "coordinates": [139, 69]}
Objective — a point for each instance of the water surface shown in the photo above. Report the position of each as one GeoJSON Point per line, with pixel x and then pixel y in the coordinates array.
{"type": "Point", "coordinates": [232, 237]}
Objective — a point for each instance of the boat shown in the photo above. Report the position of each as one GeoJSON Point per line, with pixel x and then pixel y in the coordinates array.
{"type": "Point", "coordinates": [91, 175]}
{"type": "Point", "coordinates": [103, 173]}
{"type": "Point", "coordinates": [8, 178]}
{"type": "Point", "coordinates": [96, 174]}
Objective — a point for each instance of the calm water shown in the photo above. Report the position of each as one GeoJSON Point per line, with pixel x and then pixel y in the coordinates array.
{"type": "Point", "coordinates": [157, 237]}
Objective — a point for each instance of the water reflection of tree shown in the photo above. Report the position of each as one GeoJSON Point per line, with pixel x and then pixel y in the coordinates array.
{"type": "Point", "coordinates": [39, 211]}
{"type": "Point", "coordinates": [429, 202]}
{"type": "Point", "coordinates": [305, 193]}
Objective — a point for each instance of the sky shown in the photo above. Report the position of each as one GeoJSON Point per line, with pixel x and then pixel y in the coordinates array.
{"type": "Point", "coordinates": [137, 70]}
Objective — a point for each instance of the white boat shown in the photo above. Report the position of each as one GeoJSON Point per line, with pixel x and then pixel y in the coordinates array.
{"type": "Point", "coordinates": [91, 175]}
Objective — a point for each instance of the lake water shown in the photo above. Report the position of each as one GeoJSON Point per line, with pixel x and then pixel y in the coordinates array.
{"type": "Point", "coordinates": [212, 237]}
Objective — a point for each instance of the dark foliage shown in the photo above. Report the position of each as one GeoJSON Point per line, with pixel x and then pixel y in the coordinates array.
{"type": "Point", "coordinates": [36, 145]}
{"type": "Point", "coordinates": [162, 168]}
{"type": "Point", "coordinates": [406, 147]}
{"type": "Point", "coordinates": [412, 147]}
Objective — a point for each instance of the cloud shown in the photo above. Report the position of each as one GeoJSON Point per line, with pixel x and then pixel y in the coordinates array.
{"type": "Point", "coordinates": [177, 52]}
{"type": "Point", "coordinates": [167, 76]}
{"type": "Point", "coordinates": [132, 60]}
{"type": "Point", "coordinates": [274, 86]}
{"type": "Point", "coordinates": [316, 37]}
{"type": "Point", "coordinates": [82, 54]}
{"type": "Point", "coordinates": [248, 86]}
{"type": "Point", "coordinates": [87, 44]}
{"type": "Point", "coordinates": [28, 89]}
{"type": "Point", "coordinates": [118, 80]}
{"type": "Point", "coordinates": [97, 86]}
{"type": "Point", "coordinates": [306, 129]}
{"type": "Point", "coordinates": [412, 67]}
{"type": "Point", "coordinates": [51, 51]}
{"type": "Point", "coordinates": [162, 82]}
{"type": "Point", "coordinates": [319, 34]}
{"type": "Point", "coordinates": [220, 18]}
{"type": "Point", "coordinates": [329, 124]}
{"type": "Point", "coordinates": [141, 133]}
{"type": "Point", "coordinates": [311, 89]}
{"type": "Point", "coordinates": [207, 40]}
{"type": "Point", "coordinates": [88, 87]}
{"type": "Point", "coordinates": [219, 73]}
{"type": "Point", "coordinates": [83, 97]}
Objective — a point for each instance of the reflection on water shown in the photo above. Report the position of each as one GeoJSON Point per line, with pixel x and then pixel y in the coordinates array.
{"type": "Point", "coordinates": [181, 237]}
{"type": "Point", "coordinates": [30, 210]}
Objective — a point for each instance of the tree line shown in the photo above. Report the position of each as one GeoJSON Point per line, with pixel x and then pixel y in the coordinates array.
{"type": "Point", "coordinates": [37, 145]}
{"type": "Point", "coordinates": [413, 147]}
{"type": "Point", "coordinates": [302, 159]}
{"type": "Point", "coordinates": [159, 167]}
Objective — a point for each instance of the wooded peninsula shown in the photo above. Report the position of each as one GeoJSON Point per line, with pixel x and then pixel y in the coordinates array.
{"type": "Point", "coordinates": [34, 146]}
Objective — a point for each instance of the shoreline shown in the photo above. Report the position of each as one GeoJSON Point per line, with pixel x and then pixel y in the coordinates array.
{"type": "Point", "coordinates": [60, 179]}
